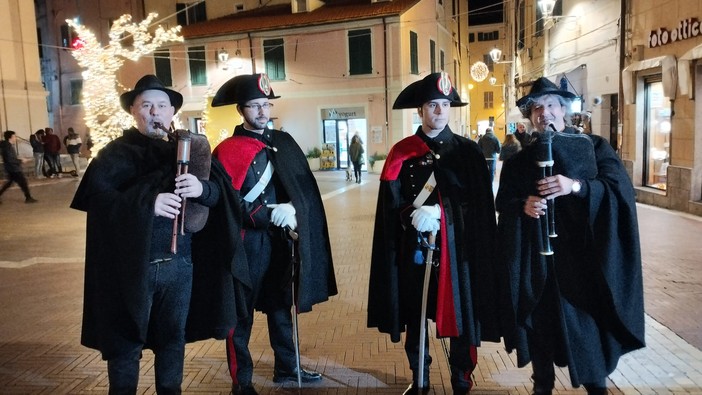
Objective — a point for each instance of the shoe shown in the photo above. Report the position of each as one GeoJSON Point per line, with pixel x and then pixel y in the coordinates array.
{"type": "Point", "coordinates": [413, 390]}
{"type": "Point", "coordinates": [243, 389]}
{"type": "Point", "coordinates": [305, 376]}
{"type": "Point", "coordinates": [30, 200]}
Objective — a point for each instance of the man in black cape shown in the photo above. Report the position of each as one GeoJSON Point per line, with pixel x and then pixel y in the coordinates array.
{"type": "Point", "coordinates": [137, 287]}
{"type": "Point", "coordinates": [582, 306]}
{"type": "Point", "coordinates": [279, 197]}
{"type": "Point", "coordinates": [458, 207]}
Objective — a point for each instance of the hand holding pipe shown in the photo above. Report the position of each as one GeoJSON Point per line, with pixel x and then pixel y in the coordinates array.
{"type": "Point", "coordinates": [182, 161]}
{"type": "Point", "coordinates": [544, 160]}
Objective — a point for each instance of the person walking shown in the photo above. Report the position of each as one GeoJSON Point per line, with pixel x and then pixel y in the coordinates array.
{"type": "Point", "coordinates": [356, 155]}
{"type": "Point", "coordinates": [37, 142]}
{"type": "Point", "coordinates": [578, 297]}
{"type": "Point", "coordinates": [283, 215]}
{"type": "Point", "coordinates": [435, 183]}
{"type": "Point", "coordinates": [13, 166]}
{"type": "Point", "coordinates": [490, 145]}
{"type": "Point", "coordinates": [139, 279]}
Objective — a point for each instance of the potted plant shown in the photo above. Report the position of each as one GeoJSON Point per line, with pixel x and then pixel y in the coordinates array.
{"type": "Point", "coordinates": [313, 158]}
{"type": "Point", "coordinates": [377, 162]}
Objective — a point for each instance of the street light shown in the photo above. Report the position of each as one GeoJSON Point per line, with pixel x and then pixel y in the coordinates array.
{"type": "Point", "coordinates": [223, 55]}
{"type": "Point", "coordinates": [496, 56]}
{"type": "Point", "coordinates": [546, 7]}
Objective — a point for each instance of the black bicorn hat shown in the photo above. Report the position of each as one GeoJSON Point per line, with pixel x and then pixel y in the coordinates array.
{"type": "Point", "coordinates": [149, 82]}
{"type": "Point", "coordinates": [542, 86]}
{"type": "Point", "coordinates": [242, 88]}
{"type": "Point", "coordinates": [432, 87]}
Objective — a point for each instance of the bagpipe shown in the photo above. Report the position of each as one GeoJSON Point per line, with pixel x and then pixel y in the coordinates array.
{"type": "Point", "coordinates": [569, 154]}
{"type": "Point", "coordinates": [193, 155]}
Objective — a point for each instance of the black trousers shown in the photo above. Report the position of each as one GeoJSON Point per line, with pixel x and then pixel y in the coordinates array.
{"type": "Point", "coordinates": [18, 177]}
{"type": "Point", "coordinates": [357, 169]}
{"type": "Point", "coordinates": [270, 288]}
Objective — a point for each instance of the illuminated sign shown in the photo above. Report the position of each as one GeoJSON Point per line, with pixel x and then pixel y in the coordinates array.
{"type": "Point", "coordinates": [687, 28]}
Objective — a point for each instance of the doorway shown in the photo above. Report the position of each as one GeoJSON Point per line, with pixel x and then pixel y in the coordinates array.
{"type": "Point", "coordinates": [338, 134]}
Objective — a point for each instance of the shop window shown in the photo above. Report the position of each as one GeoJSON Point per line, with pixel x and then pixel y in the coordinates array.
{"type": "Point", "coordinates": [657, 130]}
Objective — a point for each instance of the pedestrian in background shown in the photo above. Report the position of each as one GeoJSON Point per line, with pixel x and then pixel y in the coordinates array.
{"type": "Point", "coordinates": [509, 147]}
{"type": "Point", "coordinates": [490, 145]}
{"type": "Point", "coordinates": [356, 156]}
{"type": "Point", "coordinates": [578, 297]}
{"type": "Point", "coordinates": [13, 166]}
{"type": "Point", "coordinates": [282, 209]}
{"type": "Point", "coordinates": [522, 134]}
{"type": "Point", "coordinates": [37, 142]}
{"type": "Point", "coordinates": [435, 182]}
{"type": "Point", "coordinates": [52, 148]}
{"type": "Point", "coordinates": [73, 143]}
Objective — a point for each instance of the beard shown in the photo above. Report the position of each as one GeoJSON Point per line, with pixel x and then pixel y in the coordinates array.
{"type": "Point", "coordinates": [256, 123]}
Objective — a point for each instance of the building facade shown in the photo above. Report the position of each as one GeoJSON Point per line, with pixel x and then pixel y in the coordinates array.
{"type": "Point", "coordinates": [22, 96]}
{"type": "Point", "coordinates": [337, 66]}
{"type": "Point", "coordinates": [662, 121]}
{"type": "Point", "coordinates": [634, 66]}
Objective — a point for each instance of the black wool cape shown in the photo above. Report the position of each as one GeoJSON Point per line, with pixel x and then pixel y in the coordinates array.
{"type": "Point", "coordinates": [118, 192]}
{"type": "Point", "coordinates": [470, 305]}
{"type": "Point", "coordinates": [316, 279]}
{"type": "Point", "coordinates": [596, 265]}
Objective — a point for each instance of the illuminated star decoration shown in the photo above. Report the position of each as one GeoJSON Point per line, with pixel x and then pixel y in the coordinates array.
{"type": "Point", "coordinates": [104, 116]}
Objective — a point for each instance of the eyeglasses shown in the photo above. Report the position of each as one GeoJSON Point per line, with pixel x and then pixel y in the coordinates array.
{"type": "Point", "coordinates": [258, 107]}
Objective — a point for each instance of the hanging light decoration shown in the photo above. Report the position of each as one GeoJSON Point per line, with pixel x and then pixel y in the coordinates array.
{"type": "Point", "coordinates": [479, 71]}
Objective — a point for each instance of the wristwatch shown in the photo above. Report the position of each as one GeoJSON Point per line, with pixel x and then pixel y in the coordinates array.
{"type": "Point", "coordinates": [577, 186]}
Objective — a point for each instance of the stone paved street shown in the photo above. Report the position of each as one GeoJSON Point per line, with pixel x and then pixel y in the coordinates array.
{"type": "Point", "coordinates": [41, 280]}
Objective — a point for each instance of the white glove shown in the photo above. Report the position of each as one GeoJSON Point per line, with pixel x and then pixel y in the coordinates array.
{"type": "Point", "coordinates": [283, 215]}
{"type": "Point", "coordinates": [427, 218]}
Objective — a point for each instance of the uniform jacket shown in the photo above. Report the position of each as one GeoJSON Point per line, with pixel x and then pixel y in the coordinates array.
{"type": "Point", "coordinates": [462, 294]}
{"type": "Point", "coordinates": [118, 192]}
{"type": "Point", "coordinates": [244, 157]}
{"type": "Point", "coordinates": [596, 263]}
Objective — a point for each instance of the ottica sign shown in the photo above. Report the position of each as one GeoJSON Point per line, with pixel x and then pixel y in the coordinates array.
{"type": "Point", "coordinates": [687, 28]}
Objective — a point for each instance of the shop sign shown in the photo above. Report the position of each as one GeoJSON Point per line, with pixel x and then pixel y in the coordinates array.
{"type": "Point", "coordinates": [687, 28]}
{"type": "Point", "coordinates": [343, 113]}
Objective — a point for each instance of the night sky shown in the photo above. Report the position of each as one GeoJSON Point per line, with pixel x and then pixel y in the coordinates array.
{"type": "Point", "coordinates": [482, 12]}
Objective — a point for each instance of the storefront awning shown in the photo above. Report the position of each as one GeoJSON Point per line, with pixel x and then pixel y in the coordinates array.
{"type": "Point", "coordinates": [669, 73]}
{"type": "Point", "coordinates": [685, 79]}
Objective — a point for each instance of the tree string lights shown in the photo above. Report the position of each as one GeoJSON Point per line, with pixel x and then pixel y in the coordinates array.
{"type": "Point", "coordinates": [104, 116]}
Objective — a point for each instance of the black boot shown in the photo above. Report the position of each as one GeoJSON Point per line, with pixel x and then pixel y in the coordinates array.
{"type": "Point", "coordinates": [461, 381]}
